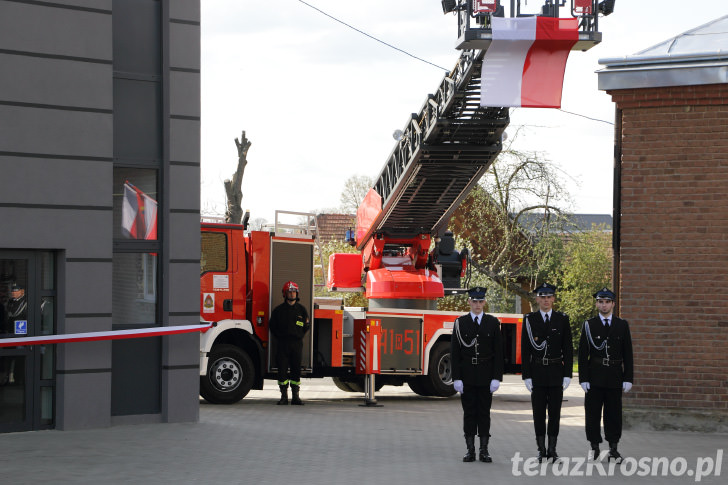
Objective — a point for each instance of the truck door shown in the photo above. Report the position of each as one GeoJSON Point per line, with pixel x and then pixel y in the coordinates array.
{"type": "Point", "coordinates": [215, 276]}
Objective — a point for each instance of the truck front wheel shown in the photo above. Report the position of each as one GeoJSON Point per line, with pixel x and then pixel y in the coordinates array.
{"type": "Point", "coordinates": [230, 375]}
{"type": "Point", "coordinates": [440, 371]}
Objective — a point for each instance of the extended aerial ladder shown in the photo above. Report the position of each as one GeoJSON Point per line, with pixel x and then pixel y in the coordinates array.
{"type": "Point", "coordinates": [442, 152]}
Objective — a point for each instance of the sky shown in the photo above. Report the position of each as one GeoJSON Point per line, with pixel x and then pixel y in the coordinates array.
{"type": "Point", "coordinates": [319, 101]}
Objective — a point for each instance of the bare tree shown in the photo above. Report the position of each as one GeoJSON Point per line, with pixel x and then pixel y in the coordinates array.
{"type": "Point", "coordinates": [233, 188]}
{"type": "Point", "coordinates": [508, 220]}
{"type": "Point", "coordinates": [355, 188]}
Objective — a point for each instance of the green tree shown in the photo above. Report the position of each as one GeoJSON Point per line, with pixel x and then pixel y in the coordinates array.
{"type": "Point", "coordinates": [586, 268]}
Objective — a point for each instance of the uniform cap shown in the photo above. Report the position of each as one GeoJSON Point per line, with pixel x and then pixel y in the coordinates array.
{"type": "Point", "coordinates": [605, 294]}
{"type": "Point", "coordinates": [477, 293]}
{"type": "Point", "coordinates": [545, 290]}
{"type": "Point", "coordinates": [16, 287]}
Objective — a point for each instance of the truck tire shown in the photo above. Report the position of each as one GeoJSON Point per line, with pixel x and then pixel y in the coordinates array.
{"type": "Point", "coordinates": [439, 375]}
{"type": "Point", "coordinates": [355, 385]}
{"type": "Point", "coordinates": [420, 385]}
{"type": "Point", "coordinates": [230, 375]}
{"type": "Point", "coordinates": [343, 386]}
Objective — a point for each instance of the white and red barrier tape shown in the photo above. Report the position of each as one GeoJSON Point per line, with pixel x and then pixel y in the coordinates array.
{"type": "Point", "coordinates": [109, 335]}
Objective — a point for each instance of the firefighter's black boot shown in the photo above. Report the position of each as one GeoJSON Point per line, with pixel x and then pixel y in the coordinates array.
{"type": "Point", "coordinates": [484, 456]}
{"type": "Point", "coordinates": [541, 444]}
{"type": "Point", "coordinates": [595, 450]}
{"type": "Point", "coordinates": [284, 395]}
{"type": "Point", "coordinates": [295, 400]}
{"type": "Point", "coordinates": [551, 450]}
{"type": "Point", "coordinates": [614, 454]}
{"type": "Point", "coordinates": [470, 443]}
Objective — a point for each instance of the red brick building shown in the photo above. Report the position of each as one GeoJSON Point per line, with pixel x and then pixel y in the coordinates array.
{"type": "Point", "coordinates": [671, 224]}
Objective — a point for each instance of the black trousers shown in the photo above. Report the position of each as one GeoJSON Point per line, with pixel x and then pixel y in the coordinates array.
{"type": "Point", "coordinates": [288, 355]}
{"type": "Point", "coordinates": [545, 398]}
{"type": "Point", "coordinates": [596, 399]}
{"type": "Point", "coordinates": [476, 401]}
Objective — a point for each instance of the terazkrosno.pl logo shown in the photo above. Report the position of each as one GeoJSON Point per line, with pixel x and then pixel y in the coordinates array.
{"type": "Point", "coordinates": [646, 466]}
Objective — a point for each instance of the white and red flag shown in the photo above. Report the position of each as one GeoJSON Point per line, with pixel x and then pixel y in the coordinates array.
{"type": "Point", "coordinates": [138, 214]}
{"type": "Point", "coordinates": [524, 64]}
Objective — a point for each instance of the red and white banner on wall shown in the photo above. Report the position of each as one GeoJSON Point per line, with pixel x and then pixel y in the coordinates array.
{"type": "Point", "coordinates": [109, 335]}
{"type": "Point", "coordinates": [138, 214]}
{"type": "Point", "coordinates": [524, 64]}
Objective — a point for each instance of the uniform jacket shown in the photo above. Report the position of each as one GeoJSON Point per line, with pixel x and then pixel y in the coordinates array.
{"type": "Point", "coordinates": [489, 364]}
{"type": "Point", "coordinates": [559, 345]}
{"type": "Point", "coordinates": [289, 322]}
{"type": "Point", "coordinates": [619, 346]}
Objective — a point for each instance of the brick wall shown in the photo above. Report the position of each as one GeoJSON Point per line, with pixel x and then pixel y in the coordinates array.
{"type": "Point", "coordinates": [674, 244]}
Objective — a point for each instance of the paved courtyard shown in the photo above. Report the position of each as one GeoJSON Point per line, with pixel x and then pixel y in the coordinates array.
{"type": "Point", "coordinates": [333, 439]}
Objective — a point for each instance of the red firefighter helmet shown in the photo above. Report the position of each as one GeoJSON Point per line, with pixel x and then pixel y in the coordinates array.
{"type": "Point", "coordinates": [289, 286]}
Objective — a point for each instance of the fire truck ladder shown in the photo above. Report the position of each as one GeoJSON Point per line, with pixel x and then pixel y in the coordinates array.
{"type": "Point", "coordinates": [443, 152]}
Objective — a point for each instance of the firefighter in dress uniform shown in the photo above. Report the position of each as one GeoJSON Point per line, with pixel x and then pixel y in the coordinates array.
{"type": "Point", "coordinates": [606, 370]}
{"type": "Point", "coordinates": [477, 369]}
{"type": "Point", "coordinates": [547, 358]}
{"type": "Point", "coordinates": [289, 323]}
{"type": "Point", "coordinates": [17, 309]}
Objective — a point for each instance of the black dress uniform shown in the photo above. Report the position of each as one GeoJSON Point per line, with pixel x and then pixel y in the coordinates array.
{"type": "Point", "coordinates": [547, 356]}
{"type": "Point", "coordinates": [606, 363]}
{"type": "Point", "coordinates": [477, 359]}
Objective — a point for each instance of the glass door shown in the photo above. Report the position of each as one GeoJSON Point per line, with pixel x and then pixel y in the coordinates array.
{"type": "Point", "coordinates": [27, 373]}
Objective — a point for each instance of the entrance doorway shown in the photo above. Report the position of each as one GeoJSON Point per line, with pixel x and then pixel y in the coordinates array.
{"type": "Point", "coordinates": [27, 309]}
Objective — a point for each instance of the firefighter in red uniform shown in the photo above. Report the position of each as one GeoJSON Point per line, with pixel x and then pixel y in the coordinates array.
{"type": "Point", "coordinates": [289, 323]}
{"type": "Point", "coordinates": [477, 369]}
{"type": "Point", "coordinates": [606, 370]}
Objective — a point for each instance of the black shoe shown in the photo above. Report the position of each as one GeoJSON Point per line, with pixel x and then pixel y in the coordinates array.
{"type": "Point", "coordinates": [470, 443]}
{"type": "Point", "coordinates": [595, 451]}
{"type": "Point", "coordinates": [295, 399]}
{"type": "Point", "coordinates": [284, 396]}
{"type": "Point", "coordinates": [551, 450]}
{"type": "Point", "coordinates": [484, 456]}
{"type": "Point", "coordinates": [541, 444]}
{"type": "Point", "coordinates": [614, 454]}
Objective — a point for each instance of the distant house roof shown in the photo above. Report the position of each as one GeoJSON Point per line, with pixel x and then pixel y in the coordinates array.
{"type": "Point", "coordinates": [334, 226]}
{"type": "Point", "coordinates": [575, 222]}
{"type": "Point", "coordinates": [698, 56]}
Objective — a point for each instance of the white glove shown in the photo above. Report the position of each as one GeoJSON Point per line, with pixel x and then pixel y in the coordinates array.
{"type": "Point", "coordinates": [567, 381]}
{"type": "Point", "coordinates": [626, 386]}
{"type": "Point", "coordinates": [585, 386]}
{"type": "Point", "coordinates": [529, 384]}
{"type": "Point", "coordinates": [458, 385]}
{"type": "Point", "coordinates": [494, 385]}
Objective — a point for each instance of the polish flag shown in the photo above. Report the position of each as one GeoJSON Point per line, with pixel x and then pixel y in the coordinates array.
{"type": "Point", "coordinates": [524, 65]}
{"type": "Point", "coordinates": [138, 214]}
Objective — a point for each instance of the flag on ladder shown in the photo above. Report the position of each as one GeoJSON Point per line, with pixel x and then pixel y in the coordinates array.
{"type": "Point", "coordinates": [524, 65]}
{"type": "Point", "coordinates": [138, 214]}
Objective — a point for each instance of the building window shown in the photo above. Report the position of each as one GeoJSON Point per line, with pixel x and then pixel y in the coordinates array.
{"type": "Point", "coordinates": [135, 294]}
{"type": "Point", "coordinates": [135, 204]}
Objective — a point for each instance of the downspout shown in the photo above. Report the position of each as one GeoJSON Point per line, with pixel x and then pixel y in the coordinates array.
{"type": "Point", "coordinates": [617, 201]}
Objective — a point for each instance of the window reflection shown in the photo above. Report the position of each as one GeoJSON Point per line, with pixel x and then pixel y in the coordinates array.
{"type": "Point", "coordinates": [134, 288]}
{"type": "Point", "coordinates": [135, 204]}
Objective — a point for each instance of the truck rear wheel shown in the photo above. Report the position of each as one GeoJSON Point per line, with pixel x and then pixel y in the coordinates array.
{"type": "Point", "coordinates": [355, 385]}
{"type": "Point", "coordinates": [440, 371]}
{"type": "Point", "coordinates": [420, 385]}
{"type": "Point", "coordinates": [230, 375]}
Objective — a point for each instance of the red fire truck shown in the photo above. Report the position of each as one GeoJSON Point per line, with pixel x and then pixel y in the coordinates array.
{"type": "Point", "coordinates": [242, 274]}
{"type": "Point", "coordinates": [407, 259]}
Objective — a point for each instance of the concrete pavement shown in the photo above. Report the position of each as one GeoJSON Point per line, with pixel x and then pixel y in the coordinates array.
{"type": "Point", "coordinates": [332, 439]}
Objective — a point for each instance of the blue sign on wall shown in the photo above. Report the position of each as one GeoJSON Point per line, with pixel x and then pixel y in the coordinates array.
{"type": "Point", "coordinates": [21, 327]}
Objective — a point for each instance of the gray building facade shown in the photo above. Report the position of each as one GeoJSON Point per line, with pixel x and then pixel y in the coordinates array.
{"type": "Point", "coordinates": [99, 210]}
